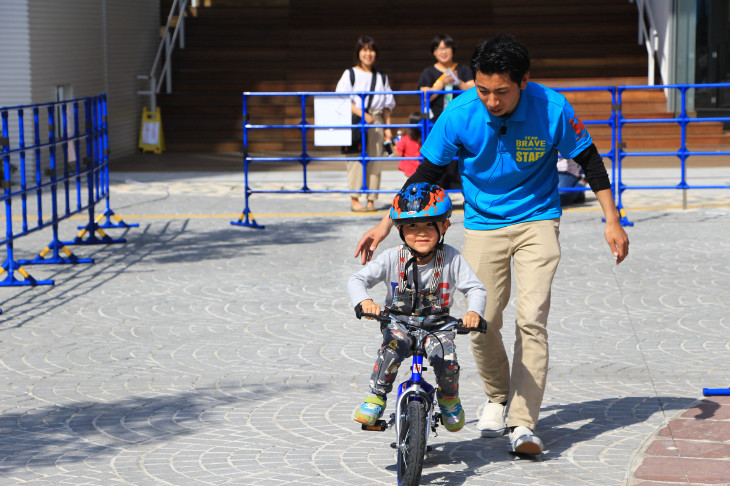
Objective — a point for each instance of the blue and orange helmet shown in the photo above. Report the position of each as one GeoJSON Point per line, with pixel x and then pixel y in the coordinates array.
{"type": "Point", "coordinates": [420, 202]}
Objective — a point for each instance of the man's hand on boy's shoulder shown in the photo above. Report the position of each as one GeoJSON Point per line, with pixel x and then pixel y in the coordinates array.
{"type": "Point", "coordinates": [471, 319]}
{"type": "Point", "coordinates": [370, 307]}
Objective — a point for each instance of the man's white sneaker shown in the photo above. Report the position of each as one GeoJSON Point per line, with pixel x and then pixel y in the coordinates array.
{"type": "Point", "coordinates": [523, 441]}
{"type": "Point", "coordinates": [491, 423]}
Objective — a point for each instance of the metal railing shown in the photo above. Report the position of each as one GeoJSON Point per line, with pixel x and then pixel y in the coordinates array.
{"type": "Point", "coordinates": [616, 121]}
{"type": "Point", "coordinates": [305, 127]}
{"type": "Point", "coordinates": [162, 66]}
{"type": "Point", "coordinates": [683, 120]}
{"type": "Point", "coordinates": [649, 36]}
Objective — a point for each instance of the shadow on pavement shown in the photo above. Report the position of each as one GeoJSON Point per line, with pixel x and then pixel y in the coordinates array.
{"type": "Point", "coordinates": [564, 428]}
{"type": "Point", "coordinates": [75, 433]}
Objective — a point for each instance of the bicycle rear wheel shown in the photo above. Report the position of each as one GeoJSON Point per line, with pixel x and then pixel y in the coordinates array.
{"type": "Point", "coordinates": [411, 444]}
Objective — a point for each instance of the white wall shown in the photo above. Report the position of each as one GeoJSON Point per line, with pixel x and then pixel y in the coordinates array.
{"type": "Point", "coordinates": [89, 47]}
{"type": "Point", "coordinates": [15, 53]}
{"type": "Point", "coordinates": [133, 35]}
{"type": "Point", "coordinates": [66, 48]}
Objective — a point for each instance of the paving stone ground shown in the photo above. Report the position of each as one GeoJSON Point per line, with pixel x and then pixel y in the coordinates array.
{"type": "Point", "coordinates": [204, 353]}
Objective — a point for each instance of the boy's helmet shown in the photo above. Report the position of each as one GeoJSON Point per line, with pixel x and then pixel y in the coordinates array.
{"type": "Point", "coordinates": [420, 202]}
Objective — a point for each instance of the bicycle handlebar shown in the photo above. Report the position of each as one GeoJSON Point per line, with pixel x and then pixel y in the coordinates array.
{"type": "Point", "coordinates": [385, 317]}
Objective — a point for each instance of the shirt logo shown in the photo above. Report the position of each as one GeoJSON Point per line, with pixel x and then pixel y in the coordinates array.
{"type": "Point", "coordinates": [529, 149]}
{"type": "Point", "coordinates": [578, 127]}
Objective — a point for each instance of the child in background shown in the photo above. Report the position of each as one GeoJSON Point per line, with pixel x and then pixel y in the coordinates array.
{"type": "Point", "coordinates": [570, 174]}
{"type": "Point", "coordinates": [410, 146]}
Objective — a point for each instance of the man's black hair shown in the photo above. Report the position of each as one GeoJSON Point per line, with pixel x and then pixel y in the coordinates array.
{"type": "Point", "coordinates": [501, 54]}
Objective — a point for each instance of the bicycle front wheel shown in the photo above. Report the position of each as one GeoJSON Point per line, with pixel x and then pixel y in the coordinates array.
{"type": "Point", "coordinates": [411, 443]}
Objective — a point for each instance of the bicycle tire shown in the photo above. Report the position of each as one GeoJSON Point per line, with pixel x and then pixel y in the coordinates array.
{"type": "Point", "coordinates": [411, 444]}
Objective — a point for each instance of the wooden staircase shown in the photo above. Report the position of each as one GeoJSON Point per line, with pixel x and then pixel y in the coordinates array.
{"type": "Point", "coordinates": [304, 45]}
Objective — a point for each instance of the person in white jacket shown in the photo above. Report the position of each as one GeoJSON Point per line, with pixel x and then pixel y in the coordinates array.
{"type": "Point", "coordinates": [421, 276]}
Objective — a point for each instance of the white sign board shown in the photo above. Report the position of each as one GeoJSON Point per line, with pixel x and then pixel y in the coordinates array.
{"type": "Point", "coordinates": [332, 111]}
{"type": "Point", "coordinates": [150, 132]}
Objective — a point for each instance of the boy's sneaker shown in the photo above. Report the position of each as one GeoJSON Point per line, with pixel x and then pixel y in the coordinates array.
{"type": "Point", "coordinates": [452, 415]}
{"type": "Point", "coordinates": [491, 423]}
{"type": "Point", "coordinates": [371, 409]}
{"type": "Point", "coordinates": [523, 441]}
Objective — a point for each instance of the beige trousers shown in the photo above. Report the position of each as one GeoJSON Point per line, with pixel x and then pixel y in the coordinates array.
{"type": "Point", "coordinates": [375, 139]}
{"type": "Point", "coordinates": [531, 251]}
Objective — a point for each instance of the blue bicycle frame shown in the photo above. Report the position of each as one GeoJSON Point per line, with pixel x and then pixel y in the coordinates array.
{"type": "Point", "coordinates": [416, 388]}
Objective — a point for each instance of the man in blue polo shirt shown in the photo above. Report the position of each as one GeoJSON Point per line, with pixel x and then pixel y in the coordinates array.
{"type": "Point", "coordinates": [506, 133]}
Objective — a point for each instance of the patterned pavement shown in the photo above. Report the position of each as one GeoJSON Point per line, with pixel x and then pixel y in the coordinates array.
{"type": "Point", "coordinates": [204, 353]}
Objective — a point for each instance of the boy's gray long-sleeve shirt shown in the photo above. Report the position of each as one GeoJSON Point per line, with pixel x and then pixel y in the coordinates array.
{"type": "Point", "coordinates": [456, 275]}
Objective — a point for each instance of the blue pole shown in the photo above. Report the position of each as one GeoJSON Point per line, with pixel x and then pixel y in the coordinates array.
{"type": "Point", "coordinates": [64, 148]}
{"type": "Point", "coordinates": [108, 213]}
{"type": "Point", "coordinates": [246, 218]}
{"type": "Point", "coordinates": [303, 128]}
{"type": "Point", "coordinates": [38, 168]}
{"type": "Point", "coordinates": [619, 161]}
{"type": "Point", "coordinates": [77, 155]}
{"type": "Point", "coordinates": [23, 182]}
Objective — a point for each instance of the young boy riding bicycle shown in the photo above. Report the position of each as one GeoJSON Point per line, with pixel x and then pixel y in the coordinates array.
{"type": "Point", "coordinates": [421, 276]}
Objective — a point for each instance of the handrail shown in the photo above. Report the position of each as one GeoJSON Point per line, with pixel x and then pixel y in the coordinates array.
{"type": "Point", "coordinates": [650, 39]}
{"type": "Point", "coordinates": [167, 44]}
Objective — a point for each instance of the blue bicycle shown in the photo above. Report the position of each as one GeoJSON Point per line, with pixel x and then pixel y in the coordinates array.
{"type": "Point", "coordinates": [415, 409]}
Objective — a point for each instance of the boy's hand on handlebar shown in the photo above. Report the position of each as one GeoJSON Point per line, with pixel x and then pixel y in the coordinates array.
{"type": "Point", "coordinates": [471, 319]}
{"type": "Point", "coordinates": [371, 239]}
{"type": "Point", "coordinates": [370, 307]}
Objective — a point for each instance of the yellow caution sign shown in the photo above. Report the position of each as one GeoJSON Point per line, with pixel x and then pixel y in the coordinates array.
{"type": "Point", "coordinates": [151, 138]}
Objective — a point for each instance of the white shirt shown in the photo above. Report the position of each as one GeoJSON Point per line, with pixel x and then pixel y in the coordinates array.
{"type": "Point", "coordinates": [569, 166]}
{"type": "Point", "coordinates": [362, 83]}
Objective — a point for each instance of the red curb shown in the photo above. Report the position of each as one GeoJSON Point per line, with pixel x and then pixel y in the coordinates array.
{"type": "Point", "coordinates": [693, 448]}
{"type": "Point", "coordinates": [694, 471]}
{"type": "Point", "coordinates": [689, 448]}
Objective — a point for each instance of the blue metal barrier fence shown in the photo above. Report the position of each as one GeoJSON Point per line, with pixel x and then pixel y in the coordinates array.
{"type": "Point", "coordinates": [616, 121]}
{"type": "Point", "coordinates": [54, 165]}
{"type": "Point", "coordinates": [683, 120]}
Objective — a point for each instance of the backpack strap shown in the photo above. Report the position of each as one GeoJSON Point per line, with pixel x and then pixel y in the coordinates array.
{"type": "Point", "coordinates": [372, 84]}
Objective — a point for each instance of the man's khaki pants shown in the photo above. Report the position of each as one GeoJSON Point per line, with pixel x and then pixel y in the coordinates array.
{"type": "Point", "coordinates": [534, 251]}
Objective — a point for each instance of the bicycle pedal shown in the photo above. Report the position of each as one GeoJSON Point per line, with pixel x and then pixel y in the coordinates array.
{"type": "Point", "coordinates": [378, 426]}
{"type": "Point", "coordinates": [429, 448]}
